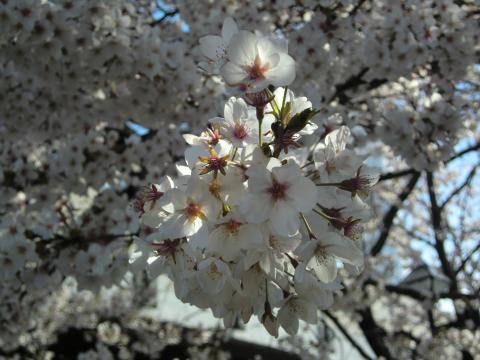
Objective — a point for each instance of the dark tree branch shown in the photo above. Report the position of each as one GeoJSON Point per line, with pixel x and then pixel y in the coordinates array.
{"type": "Point", "coordinates": [417, 295]}
{"type": "Point", "coordinates": [166, 14]}
{"type": "Point", "coordinates": [467, 259]}
{"type": "Point", "coordinates": [462, 186]}
{"type": "Point", "coordinates": [436, 219]}
{"type": "Point", "coordinates": [390, 215]}
{"type": "Point", "coordinates": [353, 82]}
{"type": "Point", "coordinates": [356, 7]}
{"type": "Point", "coordinates": [396, 174]}
{"type": "Point", "coordinates": [465, 151]}
{"type": "Point", "coordinates": [374, 334]}
{"type": "Point", "coordinates": [346, 334]}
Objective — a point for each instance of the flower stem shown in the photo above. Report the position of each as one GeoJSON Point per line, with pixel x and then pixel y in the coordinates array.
{"type": "Point", "coordinates": [322, 214]}
{"type": "Point", "coordinates": [260, 120]}
{"type": "Point", "coordinates": [328, 184]}
{"type": "Point", "coordinates": [282, 115]}
{"type": "Point", "coordinates": [234, 153]}
{"type": "Point", "coordinates": [311, 235]}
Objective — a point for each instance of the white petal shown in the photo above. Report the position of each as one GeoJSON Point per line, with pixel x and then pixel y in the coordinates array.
{"type": "Point", "coordinates": [288, 319]}
{"type": "Point", "coordinates": [212, 274]}
{"type": "Point", "coordinates": [324, 267]}
{"type": "Point", "coordinates": [223, 244]}
{"type": "Point", "coordinates": [300, 104]}
{"type": "Point", "coordinates": [233, 74]}
{"type": "Point", "coordinates": [266, 48]}
{"type": "Point", "coordinates": [275, 294]}
{"type": "Point", "coordinates": [284, 219]}
{"type": "Point", "coordinates": [348, 253]}
{"type": "Point", "coordinates": [267, 266]}
{"type": "Point", "coordinates": [306, 249]}
{"type": "Point", "coordinates": [259, 178]}
{"type": "Point", "coordinates": [267, 122]}
{"type": "Point", "coordinates": [199, 235]}
{"type": "Point", "coordinates": [250, 236]}
{"type": "Point", "coordinates": [191, 139]}
{"type": "Point", "coordinates": [211, 206]}
{"type": "Point", "coordinates": [256, 208]}
{"type": "Point", "coordinates": [323, 298]}
{"type": "Point", "coordinates": [154, 217]}
{"type": "Point", "coordinates": [288, 173]}
{"type": "Point", "coordinates": [271, 325]}
{"type": "Point", "coordinates": [283, 73]}
{"type": "Point", "coordinates": [252, 257]}
{"type": "Point", "coordinates": [235, 110]}
{"type": "Point", "coordinates": [209, 45]}
{"type": "Point", "coordinates": [192, 154]}
{"type": "Point", "coordinates": [303, 193]}
{"type": "Point", "coordinates": [196, 188]}
{"type": "Point", "coordinates": [229, 29]}
{"type": "Point", "coordinates": [166, 184]}
{"type": "Point", "coordinates": [307, 311]}
{"type": "Point", "coordinates": [175, 226]}
{"type": "Point", "coordinates": [174, 200]}
{"type": "Point", "coordinates": [156, 268]}
{"type": "Point", "coordinates": [243, 48]}
{"type": "Point", "coordinates": [338, 138]}
{"type": "Point", "coordinates": [183, 170]}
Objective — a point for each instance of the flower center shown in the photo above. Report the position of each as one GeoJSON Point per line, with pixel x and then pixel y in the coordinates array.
{"type": "Point", "coordinates": [216, 163]}
{"type": "Point", "coordinates": [233, 226]}
{"type": "Point", "coordinates": [273, 241]}
{"type": "Point", "coordinates": [213, 163]}
{"type": "Point", "coordinates": [257, 70]}
{"type": "Point", "coordinates": [147, 194]}
{"type": "Point", "coordinates": [240, 131]}
{"type": "Point", "coordinates": [213, 272]}
{"type": "Point", "coordinates": [167, 247]}
{"type": "Point", "coordinates": [278, 190]}
{"type": "Point", "coordinates": [193, 210]}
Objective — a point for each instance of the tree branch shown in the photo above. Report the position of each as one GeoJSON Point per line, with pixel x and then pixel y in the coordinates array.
{"type": "Point", "coordinates": [166, 14]}
{"type": "Point", "coordinates": [465, 151]}
{"type": "Point", "coordinates": [467, 259]}
{"type": "Point", "coordinates": [390, 215]}
{"type": "Point", "coordinates": [374, 334]}
{"type": "Point", "coordinates": [353, 82]}
{"type": "Point", "coordinates": [436, 219]}
{"type": "Point", "coordinates": [396, 174]}
{"type": "Point", "coordinates": [356, 8]}
{"type": "Point", "coordinates": [466, 183]}
{"type": "Point", "coordinates": [346, 334]}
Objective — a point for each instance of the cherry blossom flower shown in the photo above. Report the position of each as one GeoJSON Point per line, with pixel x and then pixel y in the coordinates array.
{"type": "Point", "coordinates": [240, 124]}
{"type": "Point", "coordinates": [231, 236]}
{"type": "Point", "coordinates": [321, 254]}
{"type": "Point", "coordinates": [278, 195]}
{"type": "Point", "coordinates": [254, 62]}
{"type": "Point", "coordinates": [187, 212]}
{"type": "Point", "coordinates": [215, 47]}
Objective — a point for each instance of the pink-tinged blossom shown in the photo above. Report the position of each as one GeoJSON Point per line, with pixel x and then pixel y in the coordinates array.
{"type": "Point", "coordinates": [278, 195]}
{"type": "Point", "coordinates": [256, 61]}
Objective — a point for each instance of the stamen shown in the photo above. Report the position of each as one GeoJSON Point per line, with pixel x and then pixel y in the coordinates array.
{"type": "Point", "coordinates": [257, 70]}
{"type": "Point", "coordinates": [278, 190]}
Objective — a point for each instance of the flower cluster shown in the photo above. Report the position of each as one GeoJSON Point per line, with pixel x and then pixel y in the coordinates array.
{"type": "Point", "coordinates": [258, 221]}
{"type": "Point", "coordinates": [78, 77]}
{"type": "Point", "coordinates": [81, 62]}
{"type": "Point", "coordinates": [426, 130]}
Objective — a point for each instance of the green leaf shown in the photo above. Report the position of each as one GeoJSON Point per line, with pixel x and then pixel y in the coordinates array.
{"type": "Point", "coordinates": [300, 120]}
